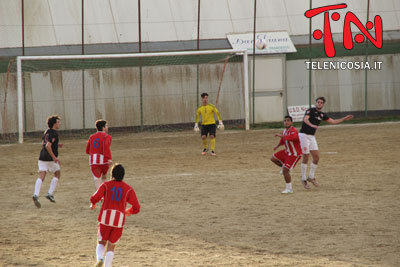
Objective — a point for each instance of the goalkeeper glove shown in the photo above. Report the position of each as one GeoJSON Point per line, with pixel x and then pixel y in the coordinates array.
{"type": "Point", "coordinates": [221, 126]}
{"type": "Point", "coordinates": [196, 127]}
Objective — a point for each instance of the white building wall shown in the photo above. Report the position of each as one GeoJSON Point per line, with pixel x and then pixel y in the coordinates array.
{"type": "Point", "coordinates": [55, 22]}
{"type": "Point", "coordinates": [344, 89]}
{"type": "Point", "coordinates": [10, 23]}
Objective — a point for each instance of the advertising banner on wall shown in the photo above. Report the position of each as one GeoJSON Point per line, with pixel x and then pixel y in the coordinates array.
{"type": "Point", "coordinates": [266, 42]}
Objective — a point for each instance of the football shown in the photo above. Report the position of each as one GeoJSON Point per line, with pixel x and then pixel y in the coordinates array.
{"type": "Point", "coordinates": [261, 44]}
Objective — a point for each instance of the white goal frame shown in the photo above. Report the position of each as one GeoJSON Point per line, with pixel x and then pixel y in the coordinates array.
{"type": "Point", "coordinates": [20, 59]}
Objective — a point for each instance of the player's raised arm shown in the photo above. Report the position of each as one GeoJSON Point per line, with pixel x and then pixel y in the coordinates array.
{"type": "Point", "coordinates": [307, 121]}
{"type": "Point", "coordinates": [337, 121]}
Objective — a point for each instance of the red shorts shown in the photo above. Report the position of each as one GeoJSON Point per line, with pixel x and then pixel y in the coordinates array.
{"type": "Point", "coordinates": [109, 233]}
{"type": "Point", "coordinates": [99, 170]}
{"type": "Point", "coordinates": [288, 162]}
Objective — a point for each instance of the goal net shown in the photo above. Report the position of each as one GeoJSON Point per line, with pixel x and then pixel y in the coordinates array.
{"type": "Point", "coordinates": [133, 92]}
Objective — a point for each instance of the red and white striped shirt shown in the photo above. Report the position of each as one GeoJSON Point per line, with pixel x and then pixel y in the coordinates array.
{"type": "Point", "coordinates": [116, 196]}
{"type": "Point", "coordinates": [290, 138]}
{"type": "Point", "coordinates": [98, 148]}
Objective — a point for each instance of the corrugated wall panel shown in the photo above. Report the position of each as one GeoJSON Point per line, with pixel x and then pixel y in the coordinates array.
{"type": "Point", "coordinates": [99, 22]}
{"type": "Point", "coordinates": [215, 19]}
{"type": "Point", "coordinates": [10, 23]}
{"type": "Point", "coordinates": [184, 14]}
{"type": "Point", "coordinates": [66, 16]}
{"type": "Point", "coordinates": [55, 22]}
{"type": "Point", "coordinates": [125, 14]}
{"type": "Point", "coordinates": [39, 27]}
{"type": "Point", "coordinates": [344, 89]}
{"type": "Point", "coordinates": [157, 21]}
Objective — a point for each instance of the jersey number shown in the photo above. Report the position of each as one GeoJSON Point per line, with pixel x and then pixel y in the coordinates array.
{"type": "Point", "coordinates": [96, 143]}
{"type": "Point", "coordinates": [116, 193]}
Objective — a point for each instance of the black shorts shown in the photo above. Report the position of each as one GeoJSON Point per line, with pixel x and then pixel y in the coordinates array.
{"type": "Point", "coordinates": [209, 129]}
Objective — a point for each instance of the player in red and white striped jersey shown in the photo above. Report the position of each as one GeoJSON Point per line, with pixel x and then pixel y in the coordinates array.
{"type": "Point", "coordinates": [288, 158]}
{"type": "Point", "coordinates": [116, 194]}
{"type": "Point", "coordinates": [98, 147]}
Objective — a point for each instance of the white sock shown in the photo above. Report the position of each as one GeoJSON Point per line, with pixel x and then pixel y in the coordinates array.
{"type": "Point", "coordinates": [99, 251]}
{"type": "Point", "coordinates": [38, 185]}
{"type": "Point", "coordinates": [303, 171]}
{"type": "Point", "coordinates": [289, 186]}
{"type": "Point", "coordinates": [313, 167]}
{"type": "Point", "coordinates": [53, 185]}
{"type": "Point", "coordinates": [96, 182]}
{"type": "Point", "coordinates": [109, 258]}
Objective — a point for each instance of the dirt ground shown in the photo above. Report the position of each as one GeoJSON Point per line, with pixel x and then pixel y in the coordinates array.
{"type": "Point", "coordinates": [213, 211]}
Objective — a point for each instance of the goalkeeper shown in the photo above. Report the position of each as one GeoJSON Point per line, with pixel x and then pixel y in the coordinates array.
{"type": "Point", "coordinates": [208, 125]}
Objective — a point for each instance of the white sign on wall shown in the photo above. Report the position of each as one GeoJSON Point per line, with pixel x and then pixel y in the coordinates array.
{"type": "Point", "coordinates": [297, 112]}
{"type": "Point", "coordinates": [266, 42]}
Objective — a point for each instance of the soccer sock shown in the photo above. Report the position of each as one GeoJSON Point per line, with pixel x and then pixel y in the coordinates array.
{"type": "Point", "coordinates": [109, 258]}
{"type": "Point", "coordinates": [212, 142]}
{"type": "Point", "coordinates": [313, 167]}
{"type": "Point", "coordinates": [38, 185]}
{"type": "Point", "coordinates": [99, 251]}
{"type": "Point", "coordinates": [53, 185]}
{"type": "Point", "coordinates": [303, 171]}
{"type": "Point", "coordinates": [289, 186]}
{"type": "Point", "coordinates": [96, 182]}
{"type": "Point", "coordinates": [205, 145]}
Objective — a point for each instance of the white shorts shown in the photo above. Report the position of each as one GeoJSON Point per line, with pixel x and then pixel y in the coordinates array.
{"type": "Point", "coordinates": [48, 166]}
{"type": "Point", "coordinates": [307, 143]}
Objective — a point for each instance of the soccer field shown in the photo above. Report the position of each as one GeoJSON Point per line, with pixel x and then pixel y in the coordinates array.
{"type": "Point", "coordinates": [213, 211]}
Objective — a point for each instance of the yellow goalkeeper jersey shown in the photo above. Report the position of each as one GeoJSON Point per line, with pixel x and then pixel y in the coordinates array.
{"type": "Point", "coordinates": [207, 114]}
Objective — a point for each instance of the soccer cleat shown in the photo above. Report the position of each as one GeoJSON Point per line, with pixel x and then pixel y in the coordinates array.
{"type": "Point", "coordinates": [213, 153]}
{"type": "Point", "coordinates": [287, 191]}
{"type": "Point", "coordinates": [281, 172]}
{"type": "Point", "coordinates": [204, 151]}
{"type": "Point", "coordinates": [99, 263]}
{"type": "Point", "coordinates": [313, 181]}
{"type": "Point", "coordinates": [36, 201]}
{"type": "Point", "coordinates": [51, 198]}
{"type": "Point", "coordinates": [305, 184]}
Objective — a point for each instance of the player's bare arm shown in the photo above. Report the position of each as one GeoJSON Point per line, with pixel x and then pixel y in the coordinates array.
{"type": "Point", "coordinates": [50, 150]}
{"type": "Point", "coordinates": [276, 147]}
{"type": "Point", "coordinates": [337, 121]}
{"type": "Point", "coordinates": [307, 121]}
{"type": "Point", "coordinates": [280, 142]}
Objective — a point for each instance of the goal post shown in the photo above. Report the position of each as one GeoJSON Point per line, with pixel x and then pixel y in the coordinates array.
{"type": "Point", "coordinates": [163, 72]}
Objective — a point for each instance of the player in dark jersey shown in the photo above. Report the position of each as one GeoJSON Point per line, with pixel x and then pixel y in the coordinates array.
{"type": "Point", "coordinates": [311, 121]}
{"type": "Point", "coordinates": [48, 159]}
